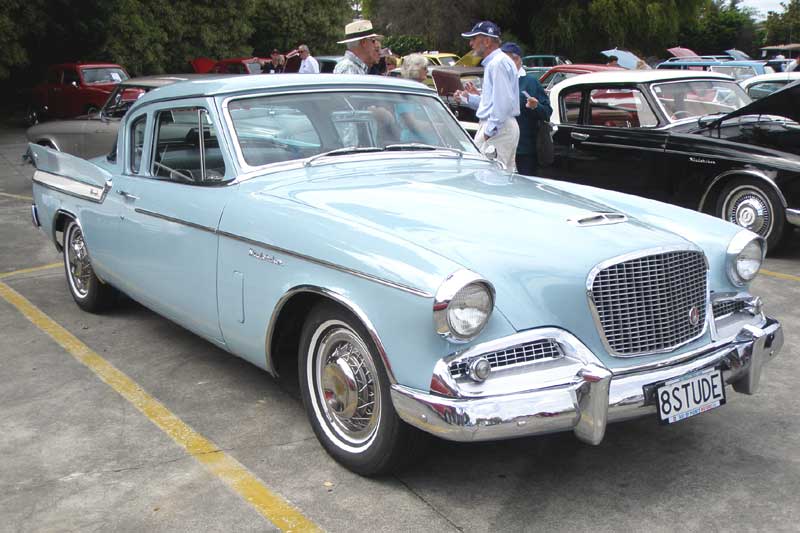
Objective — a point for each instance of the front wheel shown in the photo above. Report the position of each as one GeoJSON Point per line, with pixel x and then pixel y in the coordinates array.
{"type": "Point", "coordinates": [754, 206]}
{"type": "Point", "coordinates": [346, 395]}
{"type": "Point", "coordinates": [87, 290]}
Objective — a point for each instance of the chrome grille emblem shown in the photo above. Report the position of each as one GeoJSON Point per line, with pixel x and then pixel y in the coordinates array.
{"type": "Point", "coordinates": [694, 316]}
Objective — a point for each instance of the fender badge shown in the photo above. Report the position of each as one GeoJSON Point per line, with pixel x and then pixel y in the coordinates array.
{"type": "Point", "coordinates": [261, 256]}
{"type": "Point", "coordinates": [701, 160]}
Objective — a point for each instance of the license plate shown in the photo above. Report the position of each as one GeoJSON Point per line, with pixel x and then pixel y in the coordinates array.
{"type": "Point", "coordinates": [690, 395]}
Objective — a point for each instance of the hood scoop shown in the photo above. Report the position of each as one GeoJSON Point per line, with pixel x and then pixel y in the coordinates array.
{"type": "Point", "coordinates": [598, 219]}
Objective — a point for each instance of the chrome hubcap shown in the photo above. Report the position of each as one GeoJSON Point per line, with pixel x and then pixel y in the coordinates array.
{"type": "Point", "coordinates": [347, 386]}
{"type": "Point", "coordinates": [78, 265]}
{"type": "Point", "coordinates": [749, 209]}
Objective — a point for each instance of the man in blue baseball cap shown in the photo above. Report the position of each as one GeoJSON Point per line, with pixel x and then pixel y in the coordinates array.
{"type": "Point", "coordinates": [498, 102]}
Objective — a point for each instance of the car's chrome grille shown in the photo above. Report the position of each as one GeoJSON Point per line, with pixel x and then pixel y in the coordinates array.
{"type": "Point", "coordinates": [539, 350]}
{"type": "Point", "coordinates": [726, 307]}
{"type": "Point", "coordinates": [652, 303]}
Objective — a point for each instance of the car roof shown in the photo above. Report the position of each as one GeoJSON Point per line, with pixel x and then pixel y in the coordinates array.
{"type": "Point", "coordinates": [160, 80]}
{"type": "Point", "coordinates": [583, 68]}
{"type": "Point", "coordinates": [774, 76]}
{"type": "Point", "coordinates": [220, 85]}
{"type": "Point", "coordinates": [80, 64]}
{"type": "Point", "coordinates": [712, 62]}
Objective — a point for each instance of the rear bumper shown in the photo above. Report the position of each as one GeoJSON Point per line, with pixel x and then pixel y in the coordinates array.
{"type": "Point", "coordinates": [588, 401]}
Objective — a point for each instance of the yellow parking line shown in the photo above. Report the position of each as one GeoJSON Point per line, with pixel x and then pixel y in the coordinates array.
{"type": "Point", "coordinates": [17, 196]}
{"type": "Point", "coordinates": [272, 506]}
{"type": "Point", "coordinates": [780, 275]}
{"type": "Point", "coordinates": [29, 270]}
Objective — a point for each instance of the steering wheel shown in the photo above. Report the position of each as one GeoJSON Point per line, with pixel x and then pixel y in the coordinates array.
{"type": "Point", "coordinates": [681, 114]}
{"type": "Point", "coordinates": [173, 173]}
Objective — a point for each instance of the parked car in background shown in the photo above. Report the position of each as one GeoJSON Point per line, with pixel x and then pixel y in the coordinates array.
{"type": "Point", "coordinates": [440, 59]}
{"type": "Point", "coordinates": [327, 63]}
{"type": "Point", "coordinates": [72, 89]}
{"type": "Point", "coordinates": [282, 219]}
{"type": "Point", "coordinates": [738, 70]}
{"type": "Point", "coordinates": [694, 139]}
{"type": "Point", "coordinates": [238, 65]}
{"type": "Point", "coordinates": [560, 73]}
{"type": "Point", "coordinates": [761, 86]}
{"type": "Point", "coordinates": [448, 80]}
{"type": "Point", "coordinates": [94, 134]}
{"type": "Point", "coordinates": [539, 64]}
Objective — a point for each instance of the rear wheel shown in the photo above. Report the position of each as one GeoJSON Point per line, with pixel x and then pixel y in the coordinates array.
{"type": "Point", "coordinates": [346, 395]}
{"type": "Point", "coordinates": [754, 206]}
{"type": "Point", "coordinates": [87, 290]}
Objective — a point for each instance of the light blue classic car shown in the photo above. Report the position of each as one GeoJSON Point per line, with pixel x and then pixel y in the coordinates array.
{"type": "Point", "coordinates": [349, 228]}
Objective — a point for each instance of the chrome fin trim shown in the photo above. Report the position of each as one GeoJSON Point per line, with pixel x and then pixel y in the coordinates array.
{"type": "Point", "coordinates": [71, 186]}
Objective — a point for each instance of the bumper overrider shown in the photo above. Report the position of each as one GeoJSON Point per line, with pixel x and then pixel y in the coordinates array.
{"type": "Point", "coordinates": [573, 392]}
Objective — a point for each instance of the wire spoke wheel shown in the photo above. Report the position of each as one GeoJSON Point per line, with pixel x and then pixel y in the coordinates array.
{"type": "Point", "coordinates": [79, 268]}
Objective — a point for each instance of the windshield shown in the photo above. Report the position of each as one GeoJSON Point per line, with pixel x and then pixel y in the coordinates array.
{"type": "Point", "coordinates": [121, 99]}
{"type": "Point", "coordinates": [737, 72]}
{"type": "Point", "coordinates": [271, 129]}
{"type": "Point", "coordinates": [447, 61]}
{"type": "Point", "coordinates": [253, 67]}
{"type": "Point", "coordinates": [695, 98]}
{"type": "Point", "coordinates": [103, 75]}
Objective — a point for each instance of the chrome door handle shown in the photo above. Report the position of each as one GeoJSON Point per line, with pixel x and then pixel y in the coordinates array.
{"type": "Point", "coordinates": [127, 195]}
{"type": "Point", "coordinates": [579, 136]}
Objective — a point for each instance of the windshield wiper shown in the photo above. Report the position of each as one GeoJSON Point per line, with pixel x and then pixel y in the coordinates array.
{"type": "Point", "coordinates": [422, 146]}
{"type": "Point", "coordinates": [343, 151]}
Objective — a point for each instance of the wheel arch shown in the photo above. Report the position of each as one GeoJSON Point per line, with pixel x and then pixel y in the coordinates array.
{"type": "Point", "coordinates": [59, 223]}
{"type": "Point", "coordinates": [283, 332]}
{"type": "Point", "coordinates": [48, 142]}
{"type": "Point", "coordinates": [718, 183]}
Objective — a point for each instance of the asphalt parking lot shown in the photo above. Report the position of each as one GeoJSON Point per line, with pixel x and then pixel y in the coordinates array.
{"type": "Point", "coordinates": [198, 440]}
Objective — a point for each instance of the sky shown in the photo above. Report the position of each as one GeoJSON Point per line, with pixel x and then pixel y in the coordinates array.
{"type": "Point", "coordinates": [763, 6]}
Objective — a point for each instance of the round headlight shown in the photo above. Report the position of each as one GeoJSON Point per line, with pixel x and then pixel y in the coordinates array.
{"type": "Point", "coordinates": [469, 310]}
{"type": "Point", "coordinates": [748, 262]}
{"type": "Point", "coordinates": [745, 255]}
{"type": "Point", "coordinates": [462, 306]}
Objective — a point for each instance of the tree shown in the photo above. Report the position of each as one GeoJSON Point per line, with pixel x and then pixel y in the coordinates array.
{"type": "Point", "coordinates": [783, 28]}
{"type": "Point", "coordinates": [285, 24]}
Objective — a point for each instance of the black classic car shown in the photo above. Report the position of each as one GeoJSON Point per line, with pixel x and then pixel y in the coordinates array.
{"type": "Point", "coordinates": [694, 139]}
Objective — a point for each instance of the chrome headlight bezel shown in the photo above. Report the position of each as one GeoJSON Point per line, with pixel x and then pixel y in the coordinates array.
{"type": "Point", "coordinates": [449, 288]}
{"type": "Point", "coordinates": [743, 242]}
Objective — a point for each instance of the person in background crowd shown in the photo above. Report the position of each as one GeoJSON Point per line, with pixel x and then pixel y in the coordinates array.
{"type": "Point", "coordinates": [613, 61]}
{"type": "Point", "coordinates": [534, 109]}
{"type": "Point", "coordinates": [308, 65]}
{"type": "Point", "coordinates": [792, 67]}
{"type": "Point", "coordinates": [391, 63]}
{"type": "Point", "coordinates": [411, 119]}
{"type": "Point", "coordinates": [277, 62]}
{"type": "Point", "coordinates": [363, 48]}
{"type": "Point", "coordinates": [498, 103]}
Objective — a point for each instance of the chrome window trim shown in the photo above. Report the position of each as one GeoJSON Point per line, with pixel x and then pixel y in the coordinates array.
{"type": "Point", "coordinates": [71, 186]}
{"type": "Point", "coordinates": [749, 172]}
{"type": "Point", "coordinates": [246, 168]}
{"type": "Point", "coordinates": [343, 300]}
{"type": "Point", "coordinates": [623, 146]}
{"type": "Point", "coordinates": [688, 247]}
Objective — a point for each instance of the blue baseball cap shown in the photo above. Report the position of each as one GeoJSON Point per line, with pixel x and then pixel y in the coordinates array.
{"type": "Point", "coordinates": [512, 48]}
{"type": "Point", "coordinates": [484, 27]}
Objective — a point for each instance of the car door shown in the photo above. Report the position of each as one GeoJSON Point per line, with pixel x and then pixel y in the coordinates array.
{"type": "Point", "coordinates": [609, 139]}
{"type": "Point", "coordinates": [175, 193]}
{"type": "Point", "coordinates": [70, 101]}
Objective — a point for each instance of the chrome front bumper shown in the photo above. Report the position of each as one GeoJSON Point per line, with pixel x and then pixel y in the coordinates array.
{"type": "Point", "coordinates": [793, 217]}
{"type": "Point", "coordinates": [593, 396]}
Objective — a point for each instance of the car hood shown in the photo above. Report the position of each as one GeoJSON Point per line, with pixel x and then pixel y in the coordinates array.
{"type": "Point", "coordinates": [782, 102]}
{"type": "Point", "coordinates": [521, 234]}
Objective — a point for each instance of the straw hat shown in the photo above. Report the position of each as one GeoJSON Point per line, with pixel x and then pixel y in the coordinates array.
{"type": "Point", "coordinates": [357, 30]}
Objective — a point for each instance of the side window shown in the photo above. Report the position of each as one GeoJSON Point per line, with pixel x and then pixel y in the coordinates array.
{"type": "Point", "coordinates": [571, 103]}
{"type": "Point", "coordinates": [555, 78]}
{"type": "Point", "coordinates": [760, 90]}
{"type": "Point", "coordinates": [620, 108]}
{"type": "Point", "coordinates": [137, 143]}
{"type": "Point", "coordinates": [71, 76]}
{"type": "Point", "coordinates": [187, 147]}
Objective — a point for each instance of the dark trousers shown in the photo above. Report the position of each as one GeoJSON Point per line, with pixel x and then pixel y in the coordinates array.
{"type": "Point", "coordinates": [526, 164]}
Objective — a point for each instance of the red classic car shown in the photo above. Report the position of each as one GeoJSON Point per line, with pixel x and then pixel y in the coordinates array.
{"type": "Point", "coordinates": [244, 65]}
{"type": "Point", "coordinates": [73, 89]}
{"type": "Point", "coordinates": [562, 72]}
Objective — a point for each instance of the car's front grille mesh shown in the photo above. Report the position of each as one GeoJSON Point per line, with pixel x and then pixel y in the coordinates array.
{"type": "Point", "coordinates": [726, 307]}
{"type": "Point", "coordinates": [651, 303]}
{"type": "Point", "coordinates": [522, 353]}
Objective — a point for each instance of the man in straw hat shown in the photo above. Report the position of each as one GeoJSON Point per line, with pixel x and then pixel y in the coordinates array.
{"type": "Point", "coordinates": [363, 48]}
{"type": "Point", "coordinates": [498, 102]}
